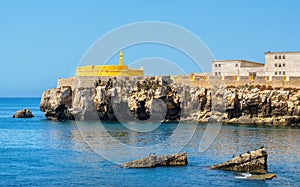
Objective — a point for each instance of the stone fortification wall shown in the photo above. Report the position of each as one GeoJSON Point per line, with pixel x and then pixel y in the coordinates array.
{"type": "Point", "coordinates": [276, 82]}
{"type": "Point", "coordinates": [200, 81]}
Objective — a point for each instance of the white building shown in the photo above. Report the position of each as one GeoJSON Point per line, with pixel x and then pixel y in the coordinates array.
{"type": "Point", "coordinates": [282, 64]}
{"type": "Point", "coordinates": [237, 68]}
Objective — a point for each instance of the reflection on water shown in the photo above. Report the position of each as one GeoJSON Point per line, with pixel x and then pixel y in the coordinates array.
{"type": "Point", "coordinates": [282, 144]}
{"type": "Point", "coordinates": [134, 138]}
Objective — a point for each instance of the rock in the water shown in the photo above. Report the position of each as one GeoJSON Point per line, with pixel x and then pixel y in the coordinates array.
{"type": "Point", "coordinates": [25, 113]}
{"type": "Point", "coordinates": [252, 162]}
{"type": "Point", "coordinates": [179, 159]}
{"type": "Point", "coordinates": [262, 177]}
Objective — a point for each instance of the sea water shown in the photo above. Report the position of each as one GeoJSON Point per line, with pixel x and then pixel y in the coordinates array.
{"type": "Point", "coordinates": [39, 152]}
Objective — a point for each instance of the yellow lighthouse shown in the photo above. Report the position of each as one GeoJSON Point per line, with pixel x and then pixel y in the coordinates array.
{"type": "Point", "coordinates": [109, 70]}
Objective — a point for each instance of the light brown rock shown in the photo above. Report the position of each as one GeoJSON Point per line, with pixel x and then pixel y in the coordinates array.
{"type": "Point", "coordinates": [179, 159]}
{"type": "Point", "coordinates": [267, 176]}
{"type": "Point", "coordinates": [253, 162]}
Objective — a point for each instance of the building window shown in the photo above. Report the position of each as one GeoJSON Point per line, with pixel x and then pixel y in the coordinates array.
{"type": "Point", "coordinates": [275, 56]}
{"type": "Point", "coordinates": [236, 65]}
{"type": "Point", "coordinates": [219, 65]}
{"type": "Point", "coordinates": [275, 72]}
{"type": "Point", "coordinates": [283, 65]}
{"type": "Point", "coordinates": [216, 73]}
{"type": "Point", "coordinates": [283, 73]}
{"type": "Point", "coordinates": [219, 73]}
{"type": "Point", "coordinates": [279, 72]}
{"type": "Point", "coordinates": [279, 56]}
{"type": "Point", "coordinates": [283, 57]}
{"type": "Point", "coordinates": [279, 65]}
{"type": "Point", "coordinates": [216, 65]}
{"type": "Point", "coordinates": [275, 64]}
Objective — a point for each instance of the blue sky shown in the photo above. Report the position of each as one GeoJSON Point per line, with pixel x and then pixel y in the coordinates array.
{"type": "Point", "coordinates": [41, 41]}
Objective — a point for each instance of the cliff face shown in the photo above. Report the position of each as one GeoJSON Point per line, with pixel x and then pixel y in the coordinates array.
{"type": "Point", "coordinates": [56, 102]}
{"type": "Point", "coordinates": [159, 100]}
{"type": "Point", "coordinates": [263, 106]}
{"type": "Point", "coordinates": [114, 100]}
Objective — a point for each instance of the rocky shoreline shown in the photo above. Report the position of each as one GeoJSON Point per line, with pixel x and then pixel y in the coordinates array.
{"type": "Point", "coordinates": [156, 99]}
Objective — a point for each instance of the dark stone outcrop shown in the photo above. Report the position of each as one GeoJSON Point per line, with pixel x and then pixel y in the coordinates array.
{"type": "Point", "coordinates": [25, 113]}
{"type": "Point", "coordinates": [179, 159]}
{"type": "Point", "coordinates": [252, 162]}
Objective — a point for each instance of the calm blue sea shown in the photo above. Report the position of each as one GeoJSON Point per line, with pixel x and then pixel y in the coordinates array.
{"type": "Point", "coordinates": [38, 152]}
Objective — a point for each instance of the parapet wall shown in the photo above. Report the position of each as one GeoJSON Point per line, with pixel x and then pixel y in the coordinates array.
{"type": "Point", "coordinates": [199, 80]}
{"type": "Point", "coordinates": [66, 82]}
{"type": "Point", "coordinates": [87, 81]}
{"type": "Point", "coordinates": [208, 81]}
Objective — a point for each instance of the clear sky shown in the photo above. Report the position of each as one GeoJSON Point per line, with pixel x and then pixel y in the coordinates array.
{"type": "Point", "coordinates": [41, 41]}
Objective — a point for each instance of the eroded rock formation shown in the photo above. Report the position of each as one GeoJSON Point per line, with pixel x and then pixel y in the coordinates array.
{"type": "Point", "coordinates": [114, 100]}
{"type": "Point", "coordinates": [263, 106]}
{"type": "Point", "coordinates": [179, 159]}
{"type": "Point", "coordinates": [246, 105]}
{"type": "Point", "coordinates": [56, 102]}
{"type": "Point", "coordinates": [155, 99]}
{"type": "Point", "coordinates": [252, 162]}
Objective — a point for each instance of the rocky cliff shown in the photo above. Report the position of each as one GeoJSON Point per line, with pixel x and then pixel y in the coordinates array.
{"type": "Point", "coordinates": [157, 99]}
{"type": "Point", "coordinates": [245, 105]}
{"type": "Point", "coordinates": [114, 99]}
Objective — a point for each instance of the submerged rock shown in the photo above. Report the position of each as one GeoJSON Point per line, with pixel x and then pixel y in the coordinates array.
{"type": "Point", "coordinates": [267, 176]}
{"type": "Point", "coordinates": [179, 159]}
{"type": "Point", "coordinates": [25, 113]}
{"type": "Point", "coordinates": [262, 177]}
{"type": "Point", "coordinates": [252, 162]}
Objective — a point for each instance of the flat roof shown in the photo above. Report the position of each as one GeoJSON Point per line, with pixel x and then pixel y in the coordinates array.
{"type": "Point", "coordinates": [237, 61]}
{"type": "Point", "coordinates": [277, 52]}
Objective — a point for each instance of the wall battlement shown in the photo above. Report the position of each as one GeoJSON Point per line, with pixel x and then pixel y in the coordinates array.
{"type": "Point", "coordinates": [275, 82]}
{"type": "Point", "coordinates": [204, 81]}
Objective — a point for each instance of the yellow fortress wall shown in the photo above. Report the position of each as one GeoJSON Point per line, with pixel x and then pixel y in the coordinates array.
{"type": "Point", "coordinates": [109, 70]}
